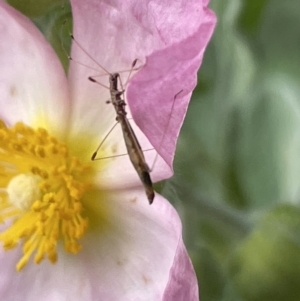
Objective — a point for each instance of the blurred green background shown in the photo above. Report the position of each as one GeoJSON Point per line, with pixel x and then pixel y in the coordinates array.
{"type": "Point", "coordinates": [238, 188]}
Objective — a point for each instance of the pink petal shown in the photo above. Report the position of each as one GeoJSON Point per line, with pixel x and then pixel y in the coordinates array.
{"type": "Point", "coordinates": [115, 35]}
{"type": "Point", "coordinates": [140, 257]}
{"type": "Point", "coordinates": [118, 172]}
{"type": "Point", "coordinates": [159, 94]}
{"type": "Point", "coordinates": [183, 283]}
{"type": "Point", "coordinates": [33, 86]}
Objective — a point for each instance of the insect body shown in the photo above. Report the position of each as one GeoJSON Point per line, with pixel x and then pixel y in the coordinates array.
{"type": "Point", "coordinates": [132, 145]}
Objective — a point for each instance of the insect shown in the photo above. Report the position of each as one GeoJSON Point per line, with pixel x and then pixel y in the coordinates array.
{"type": "Point", "coordinates": [133, 147]}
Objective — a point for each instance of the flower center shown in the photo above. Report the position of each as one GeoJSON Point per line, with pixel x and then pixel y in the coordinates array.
{"type": "Point", "coordinates": [23, 190]}
{"type": "Point", "coordinates": [41, 189]}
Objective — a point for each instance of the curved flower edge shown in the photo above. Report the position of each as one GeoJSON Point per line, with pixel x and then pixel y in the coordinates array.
{"type": "Point", "coordinates": [165, 84]}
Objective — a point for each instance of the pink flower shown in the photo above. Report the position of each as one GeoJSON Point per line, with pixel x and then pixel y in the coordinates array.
{"type": "Point", "coordinates": [54, 200]}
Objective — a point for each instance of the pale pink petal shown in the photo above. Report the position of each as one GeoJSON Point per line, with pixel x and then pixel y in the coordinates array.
{"type": "Point", "coordinates": [183, 283]}
{"type": "Point", "coordinates": [118, 172]}
{"type": "Point", "coordinates": [115, 34]}
{"type": "Point", "coordinates": [159, 94]}
{"type": "Point", "coordinates": [140, 257]}
{"type": "Point", "coordinates": [33, 86]}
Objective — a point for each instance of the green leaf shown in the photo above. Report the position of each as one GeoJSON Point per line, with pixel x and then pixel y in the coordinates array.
{"type": "Point", "coordinates": [267, 265]}
{"type": "Point", "coordinates": [32, 9]}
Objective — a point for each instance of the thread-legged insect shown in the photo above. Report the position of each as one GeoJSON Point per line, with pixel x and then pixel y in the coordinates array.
{"type": "Point", "coordinates": [133, 147]}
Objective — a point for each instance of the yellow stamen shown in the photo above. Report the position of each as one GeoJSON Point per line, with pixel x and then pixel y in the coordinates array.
{"type": "Point", "coordinates": [41, 189]}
